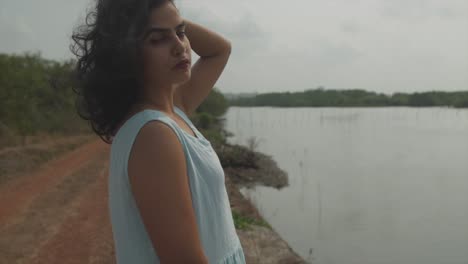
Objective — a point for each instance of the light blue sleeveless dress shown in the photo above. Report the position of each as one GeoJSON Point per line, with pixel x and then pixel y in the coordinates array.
{"type": "Point", "coordinates": [208, 191]}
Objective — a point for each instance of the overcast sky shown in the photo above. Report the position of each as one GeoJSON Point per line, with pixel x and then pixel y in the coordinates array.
{"type": "Point", "coordinates": [378, 45]}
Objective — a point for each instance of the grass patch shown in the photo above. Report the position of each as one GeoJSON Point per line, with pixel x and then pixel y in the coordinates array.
{"type": "Point", "coordinates": [244, 222]}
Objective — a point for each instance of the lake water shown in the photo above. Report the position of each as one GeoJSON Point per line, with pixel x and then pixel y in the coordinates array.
{"type": "Point", "coordinates": [367, 185]}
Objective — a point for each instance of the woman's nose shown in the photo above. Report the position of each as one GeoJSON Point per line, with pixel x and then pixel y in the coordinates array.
{"type": "Point", "coordinates": [179, 46]}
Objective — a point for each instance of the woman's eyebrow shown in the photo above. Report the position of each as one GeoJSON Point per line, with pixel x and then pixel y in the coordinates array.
{"type": "Point", "coordinates": [158, 29]}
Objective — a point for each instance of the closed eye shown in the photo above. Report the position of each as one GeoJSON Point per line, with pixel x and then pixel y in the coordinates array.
{"type": "Point", "coordinates": [157, 40]}
{"type": "Point", "coordinates": [180, 34]}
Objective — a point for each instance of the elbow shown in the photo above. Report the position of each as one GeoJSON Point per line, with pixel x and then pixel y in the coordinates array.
{"type": "Point", "coordinates": [228, 47]}
{"type": "Point", "coordinates": [225, 50]}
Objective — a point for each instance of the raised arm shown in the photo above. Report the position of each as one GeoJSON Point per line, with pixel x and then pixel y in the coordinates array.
{"type": "Point", "coordinates": [159, 182]}
{"type": "Point", "coordinates": [214, 51]}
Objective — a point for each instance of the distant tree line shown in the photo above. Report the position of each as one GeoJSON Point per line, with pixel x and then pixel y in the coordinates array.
{"type": "Point", "coordinates": [36, 96]}
{"type": "Point", "coordinates": [353, 97]}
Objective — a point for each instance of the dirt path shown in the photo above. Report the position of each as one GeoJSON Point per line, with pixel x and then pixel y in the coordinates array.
{"type": "Point", "coordinates": [59, 214]}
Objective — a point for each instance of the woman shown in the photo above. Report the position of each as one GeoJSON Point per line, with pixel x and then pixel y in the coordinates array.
{"type": "Point", "coordinates": [167, 198]}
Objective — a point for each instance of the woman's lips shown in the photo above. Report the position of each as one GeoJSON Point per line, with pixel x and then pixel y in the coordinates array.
{"type": "Point", "coordinates": [183, 65]}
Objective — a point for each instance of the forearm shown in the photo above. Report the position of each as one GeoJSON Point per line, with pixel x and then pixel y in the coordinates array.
{"type": "Point", "coordinates": [205, 42]}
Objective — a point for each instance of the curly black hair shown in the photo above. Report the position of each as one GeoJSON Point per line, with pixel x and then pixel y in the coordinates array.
{"type": "Point", "coordinates": [109, 67]}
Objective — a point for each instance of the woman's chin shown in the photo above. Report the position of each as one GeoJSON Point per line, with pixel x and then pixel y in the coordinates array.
{"type": "Point", "coordinates": [182, 77]}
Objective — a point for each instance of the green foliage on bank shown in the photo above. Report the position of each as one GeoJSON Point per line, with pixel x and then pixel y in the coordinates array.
{"type": "Point", "coordinates": [244, 222]}
{"type": "Point", "coordinates": [354, 97]}
{"type": "Point", "coordinates": [36, 96]}
{"type": "Point", "coordinates": [215, 104]}
{"type": "Point", "coordinates": [208, 118]}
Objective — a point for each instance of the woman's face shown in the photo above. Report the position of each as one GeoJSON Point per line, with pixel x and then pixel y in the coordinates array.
{"type": "Point", "coordinates": [164, 45]}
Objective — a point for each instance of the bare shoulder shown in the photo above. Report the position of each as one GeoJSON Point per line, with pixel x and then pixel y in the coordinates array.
{"type": "Point", "coordinates": [156, 137]}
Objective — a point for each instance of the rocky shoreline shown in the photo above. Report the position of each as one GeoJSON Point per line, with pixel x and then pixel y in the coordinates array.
{"type": "Point", "coordinates": [260, 242]}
